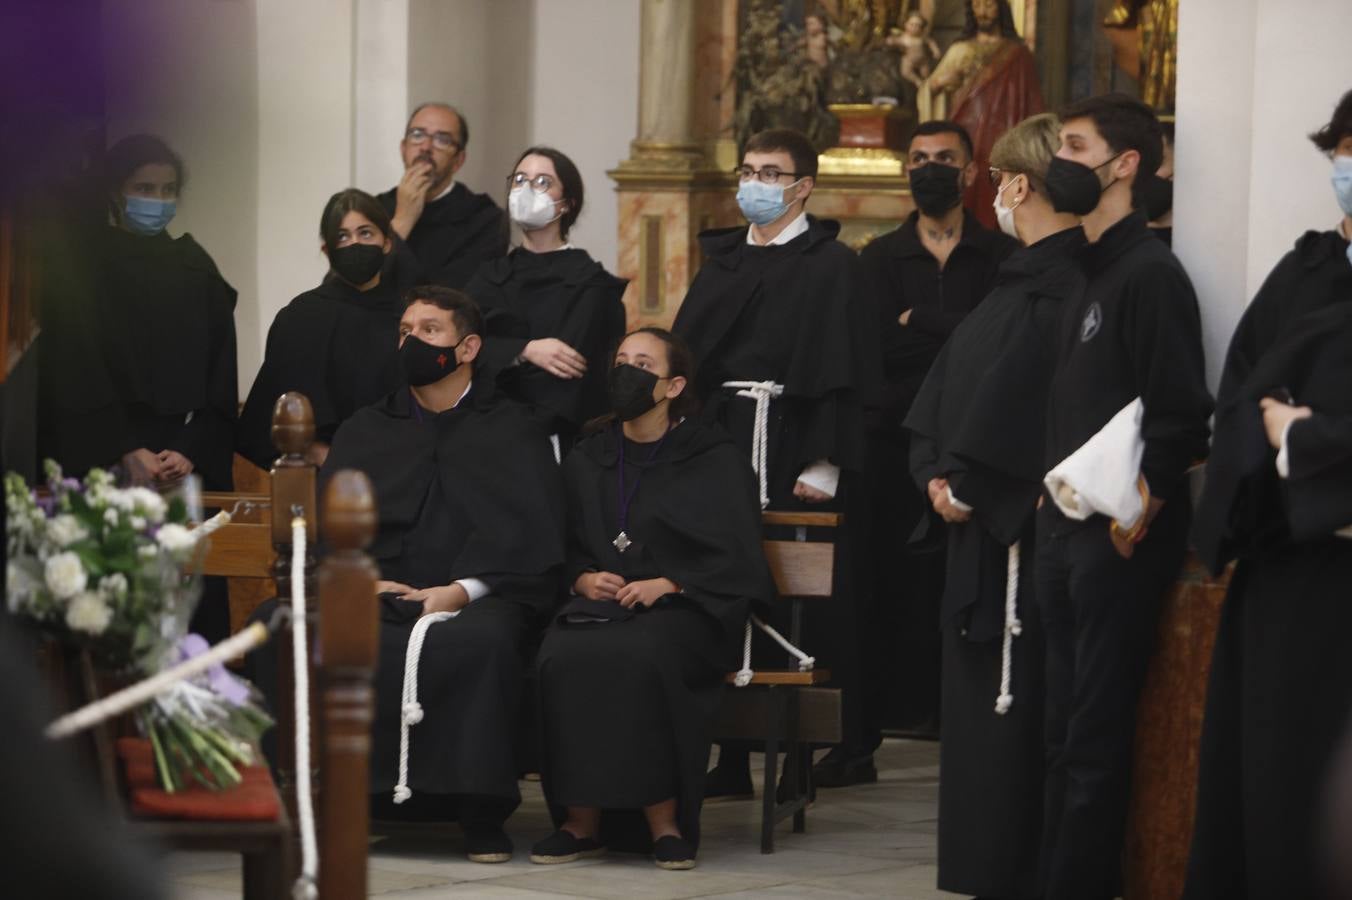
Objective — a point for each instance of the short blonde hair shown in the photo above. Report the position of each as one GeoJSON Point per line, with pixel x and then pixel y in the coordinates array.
{"type": "Point", "coordinates": [1028, 148]}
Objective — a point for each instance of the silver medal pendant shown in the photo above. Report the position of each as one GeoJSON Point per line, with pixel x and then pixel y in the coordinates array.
{"type": "Point", "coordinates": [621, 542]}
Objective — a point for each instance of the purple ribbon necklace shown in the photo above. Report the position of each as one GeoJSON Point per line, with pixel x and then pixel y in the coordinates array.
{"type": "Point", "coordinates": [622, 542]}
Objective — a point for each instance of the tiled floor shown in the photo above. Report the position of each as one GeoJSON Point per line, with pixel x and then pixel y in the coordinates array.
{"type": "Point", "coordinates": [869, 841]}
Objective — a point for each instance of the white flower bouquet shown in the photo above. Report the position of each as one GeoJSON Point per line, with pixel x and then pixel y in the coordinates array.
{"type": "Point", "coordinates": [112, 570]}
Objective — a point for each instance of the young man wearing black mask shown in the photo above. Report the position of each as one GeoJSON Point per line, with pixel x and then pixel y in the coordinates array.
{"type": "Point", "coordinates": [471, 523]}
{"type": "Point", "coordinates": [1136, 333]}
{"type": "Point", "coordinates": [924, 278]}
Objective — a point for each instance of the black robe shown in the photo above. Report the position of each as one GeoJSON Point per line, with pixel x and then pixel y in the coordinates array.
{"type": "Point", "coordinates": [1280, 689]}
{"type": "Point", "coordinates": [337, 346]}
{"type": "Point", "coordinates": [138, 350]}
{"type": "Point", "coordinates": [472, 492]}
{"type": "Point", "coordinates": [564, 294]}
{"type": "Point", "coordinates": [627, 704]}
{"type": "Point", "coordinates": [979, 420]}
{"type": "Point", "coordinates": [453, 237]}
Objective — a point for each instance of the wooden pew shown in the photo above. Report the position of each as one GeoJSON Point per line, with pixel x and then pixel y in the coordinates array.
{"type": "Point", "coordinates": [783, 708]}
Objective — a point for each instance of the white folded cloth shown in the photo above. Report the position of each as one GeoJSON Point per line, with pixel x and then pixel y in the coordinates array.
{"type": "Point", "coordinates": [1103, 475]}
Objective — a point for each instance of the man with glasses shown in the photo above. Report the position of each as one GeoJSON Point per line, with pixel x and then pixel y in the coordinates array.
{"type": "Point", "coordinates": [447, 230]}
{"type": "Point", "coordinates": [783, 346]}
{"type": "Point", "coordinates": [923, 279]}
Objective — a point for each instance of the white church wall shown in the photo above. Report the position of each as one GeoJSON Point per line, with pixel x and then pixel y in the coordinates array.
{"type": "Point", "coordinates": [1255, 77]}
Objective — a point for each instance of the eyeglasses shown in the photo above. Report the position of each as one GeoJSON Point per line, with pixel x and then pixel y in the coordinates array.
{"type": "Point", "coordinates": [540, 183]}
{"type": "Point", "coordinates": [442, 140]}
{"type": "Point", "coordinates": [766, 174]}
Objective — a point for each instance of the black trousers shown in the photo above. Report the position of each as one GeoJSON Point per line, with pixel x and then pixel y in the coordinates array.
{"type": "Point", "coordinates": [1100, 614]}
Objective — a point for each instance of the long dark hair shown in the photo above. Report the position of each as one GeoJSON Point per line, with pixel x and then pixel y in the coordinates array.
{"type": "Point", "coordinates": [680, 362]}
{"type": "Point", "coordinates": [344, 202]}
{"type": "Point", "coordinates": [1007, 28]}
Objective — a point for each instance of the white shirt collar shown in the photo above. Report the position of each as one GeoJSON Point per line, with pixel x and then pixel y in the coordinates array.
{"type": "Point", "coordinates": [463, 395]}
{"type": "Point", "coordinates": [450, 187]}
{"type": "Point", "coordinates": [791, 231]}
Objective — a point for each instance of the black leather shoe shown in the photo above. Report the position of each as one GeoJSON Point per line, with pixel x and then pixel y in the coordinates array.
{"type": "Point", "coordinates": [728, 783]}
{"type": "Point", "coordinates": [487, 844]}
{"type": "Point", "coordinates": [563, 847]}
{"type": "Point", "coordinates": [671, 852]}
{"type": "Point", "coordinates": [841, 772]}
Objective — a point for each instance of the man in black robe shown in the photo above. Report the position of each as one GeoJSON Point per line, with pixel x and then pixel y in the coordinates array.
{"type": "Point", "coordinates": [471, 523]}
{"type": "Point", "coordinates": [780, 302]}
{"type": "Point", "coordinates": [924, 278]}
{"type": "Point", "coordinates": [1278, 496]}
{"type": "Point", "coordinates": [447, 230]}
{"type": "Point", "coordinates": [1136, 333]}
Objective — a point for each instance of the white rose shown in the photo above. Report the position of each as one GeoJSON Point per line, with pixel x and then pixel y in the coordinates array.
{"type": "Point", "coordinates": [138, 523]}
{"type": "Point", "coordinates": [113, 586]}
{"type": "Point", "coordinates": [65, 575]}
{"type": "Point", "coordinates": [88, 613]}
{"type": "Point", "coordinates": [175, 538]}
{"type": "Point", "coordinates": [121, 499]}
{"type": "Point", "coordinates": [149, 503]}
{"type": "Point", "coordinates": [110, 516]}
{"type": "Point", "coordinates": [65, 530]}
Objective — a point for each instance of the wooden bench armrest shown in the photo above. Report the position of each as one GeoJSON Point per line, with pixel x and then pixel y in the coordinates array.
{"type": "Point", "coordinates": [785, 676]}
{"type": "Point", "coordinates": [807, 519]}
{"type": "Point", "coordinates": [226, 500]}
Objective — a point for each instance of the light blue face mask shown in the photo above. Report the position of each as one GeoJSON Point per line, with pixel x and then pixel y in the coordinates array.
{"type": "Point", "coordinates": [1342, 187]}
{"type": "Point", "coordinates": [762, 203]}
{"type": "Point", "coordinates": [146, 216]}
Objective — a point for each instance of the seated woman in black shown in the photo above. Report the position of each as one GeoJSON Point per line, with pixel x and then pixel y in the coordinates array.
{"type": "Point", "coordinates": [664, 559]}
{"type": "Point", "coordinates": [335, 344]}
{"type": "Point", "coordinates": [554, 314]}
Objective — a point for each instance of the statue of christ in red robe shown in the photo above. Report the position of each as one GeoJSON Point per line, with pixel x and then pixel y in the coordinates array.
{"type": "Point", "coordinates": [986, 82]}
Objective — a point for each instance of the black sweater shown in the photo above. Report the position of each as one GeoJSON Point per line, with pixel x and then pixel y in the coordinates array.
{"type": "Point", "coordinates": [1136, 333]}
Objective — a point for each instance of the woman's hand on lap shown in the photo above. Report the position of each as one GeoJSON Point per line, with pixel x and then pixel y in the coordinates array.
{"type": "Point", "coordinates": [598, 585]}
{"type": "Point", "coordinates": [446, 598]}
{"type": "Point", "coordinates": [645, 593]}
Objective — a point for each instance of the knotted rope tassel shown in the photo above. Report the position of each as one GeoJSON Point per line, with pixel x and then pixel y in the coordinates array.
{"type": "Point", "coordinates": [762, 392]}
{"type": "Point", "coordinates": [411, 711]}
{"type": "Point", "coordinates": [1013, 628]}
{"type": "Point", "coordinates": [745, 673]}
{"type": "Point", "coordinates": [305, 887]}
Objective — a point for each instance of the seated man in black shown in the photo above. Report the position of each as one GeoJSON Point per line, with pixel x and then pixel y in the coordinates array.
{"type": "Point", "coordinates": [471, 523]}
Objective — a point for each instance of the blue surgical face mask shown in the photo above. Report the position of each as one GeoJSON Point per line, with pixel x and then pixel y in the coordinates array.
{"type": "Point", "coordinates": [762, 203]}
{"type": "Point", "coordinates": [146, 216]}
{"type": "Point", "coordinates": [1342, 182]}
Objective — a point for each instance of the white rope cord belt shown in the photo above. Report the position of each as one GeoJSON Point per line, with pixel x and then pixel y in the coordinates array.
{"type": "Point", "coordinates": [762, 392]}
{"type": "Point", "coordinates": [745, 674]}
{"type": "Point", "coordinates": [306, 886]}
{"type": "Point", "coordinates": [410, 710]}
{"type": "Point", "coordinates": [1013, 628]}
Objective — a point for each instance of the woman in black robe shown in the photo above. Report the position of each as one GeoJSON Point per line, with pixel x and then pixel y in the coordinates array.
{"type": "Point", "coordinates": [554, 313]}
{"type": "Point", "coordinates": [137, 362]}
{"type": "Point", "coordinates": [665, 561]}
{"type": "Point", "coordinates": [335, 344]}
{"type": "Point", "coordinates": [1279, 497]}
{"type": "Point", "coordinates": [978, 424]}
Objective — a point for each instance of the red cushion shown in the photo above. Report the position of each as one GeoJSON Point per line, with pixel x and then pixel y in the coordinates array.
{"type": "Point", "coordinates": [253, 799]}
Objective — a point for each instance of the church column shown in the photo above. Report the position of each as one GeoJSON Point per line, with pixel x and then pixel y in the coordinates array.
{"type": "Point", "coordinates": [666, 81]}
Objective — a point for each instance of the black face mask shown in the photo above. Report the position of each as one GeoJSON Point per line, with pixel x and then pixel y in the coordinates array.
{"type": "Point", "coordinates": [423, 363]}
{"type": "Point", "coordinates": [1156, 196]}
{"type": "Point", "coordinates": [357, 263]}
{"type": "Point", "coordinates": [935, 188]}
{"type": "Point", "coordinates": [631, 391]}
{"type": "Point", "coordinates": [1074, 187]}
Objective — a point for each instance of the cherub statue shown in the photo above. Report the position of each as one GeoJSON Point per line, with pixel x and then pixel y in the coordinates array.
{"type": "Point", "coordinates": [918, 50]}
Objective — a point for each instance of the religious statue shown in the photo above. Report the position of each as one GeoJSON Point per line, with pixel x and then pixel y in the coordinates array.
{"type": "Point", "coordinates": [918, 50]}
{"type": "Point", "coordinates": [986, 82]}
{"type": "Point", "coordinates": [1157, 64]}
{"type": "Point", "coordinates": [781, 76]}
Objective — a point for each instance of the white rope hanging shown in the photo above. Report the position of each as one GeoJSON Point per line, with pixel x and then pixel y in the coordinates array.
{"type": "Point", "coordinates": [1013, 628]}
{"type": "Point", "coordinates": [762, 392]}
{"type": "Point", "coordinates": [306, 886]}
{"type": "Point", "coordinates": [410, 710]}
{"type": "Point", "coordinates": [745, 673]}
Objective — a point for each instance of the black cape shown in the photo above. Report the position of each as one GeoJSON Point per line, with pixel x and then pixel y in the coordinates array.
{"type": "Point", "coordinates": [794, 314]}
{"type": "Point", "coordinates": [1280, 688]}
{"type": "Point", "coordinates": [628, 703]}
{"type": "Point", "coordinates": [566, 295]}
{"type": "Point", "coordinates": [454, 236]}
{"type": "Point", "coordinates": [1239, 504]}
{"type": "Point", "coordinates": [472, 492]}
{"type": "Point", "coordinates": [979, 419]}
{"type": "Point", "coordinates": [138, 350]}
{"type": "Point", "coordinates": [337, 346]}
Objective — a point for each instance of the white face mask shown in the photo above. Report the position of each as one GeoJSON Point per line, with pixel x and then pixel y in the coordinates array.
{"type": "Point", "coordinates": [1004, 215]}
{"type": "Point", "coordinates": [531, 210]}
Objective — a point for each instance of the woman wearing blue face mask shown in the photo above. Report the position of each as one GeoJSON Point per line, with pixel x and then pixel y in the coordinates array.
{"type": "Point", "coordinates": [1277, 499]}
{"type": "Point", "coordinates": [138, 341]}
{"type": "Point", "coordinates": [337, 343]}
{"type": "Point", "coordinates": [553, 313]}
